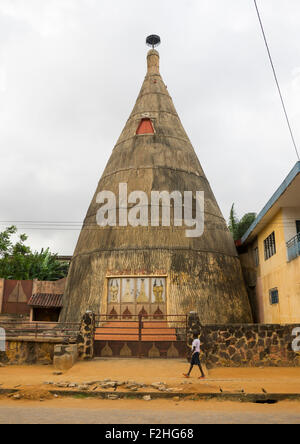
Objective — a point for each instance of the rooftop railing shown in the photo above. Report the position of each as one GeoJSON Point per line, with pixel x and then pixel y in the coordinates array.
{"type": "Point", "coordinates": [293, 247]}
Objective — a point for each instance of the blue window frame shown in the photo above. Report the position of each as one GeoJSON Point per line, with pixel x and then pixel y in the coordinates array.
{"type": "Point", "coordinates": [270, 246]}
{"type": "Point", "coordinates": [274, 296]}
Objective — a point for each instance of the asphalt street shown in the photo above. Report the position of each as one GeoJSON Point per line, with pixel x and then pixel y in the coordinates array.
{"type": "Point", "coordinates": [46, 415]}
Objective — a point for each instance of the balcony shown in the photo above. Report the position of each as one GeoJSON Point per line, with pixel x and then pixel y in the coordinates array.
{"type": "Point", "coordinates": [293, 247]}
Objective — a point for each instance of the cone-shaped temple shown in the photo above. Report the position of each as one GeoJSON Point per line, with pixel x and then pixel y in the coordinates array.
{"type": "Point", "coordinates": [122, 268]}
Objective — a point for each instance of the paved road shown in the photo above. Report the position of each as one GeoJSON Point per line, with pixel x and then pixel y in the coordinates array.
{"type": "Point", "coordinates": [48, 415]}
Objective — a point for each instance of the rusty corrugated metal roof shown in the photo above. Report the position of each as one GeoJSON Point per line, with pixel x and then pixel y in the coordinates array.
{"type": "Point", "coordinates": [46, 300]}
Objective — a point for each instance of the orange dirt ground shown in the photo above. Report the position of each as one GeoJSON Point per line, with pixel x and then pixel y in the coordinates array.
{"type": "Point", "coordinates": [251, 380]}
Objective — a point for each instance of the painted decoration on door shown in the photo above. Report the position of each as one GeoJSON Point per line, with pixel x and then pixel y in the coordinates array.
{"type": "Point", "coordinates": [113, 314]}
{"type": "Point", "coordinates": [138, 294]}
{"type": "Point", "coordinates": [142, 290]}
{"type": "Point", "coordinates": [158, 314]}
{"type": "Point", "coordinates": [158, 290]}
{"type": "Point", "coordinates": [127, 314]}
{"type": "Point", "coordinates": [114, 291]}
{"type": "Point", "coordinates": [16, 294]}
{"type": "Point", "coordinates": [143, 313]}
{"type": "Point", "coordinates": [127, 290]}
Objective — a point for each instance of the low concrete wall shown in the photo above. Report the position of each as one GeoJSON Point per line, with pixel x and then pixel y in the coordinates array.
{"type": "Point", "coordinates": [39, 351]}
{"type": "Point", "coordinates": [236, 345]}
{"type": "Point", "coordinates": [65, 356]}
{"type": "Point", "coordinates": [248, 345]}
{"type": "Point", "coordinates": [26, 345]}
{"type": "Point", "coordinates": [26, 351]}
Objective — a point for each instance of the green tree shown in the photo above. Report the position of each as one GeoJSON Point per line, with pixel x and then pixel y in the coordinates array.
{"type": "Point", "coordinates": [238, 227]}
{"type": "Point", "coordinates": [18, 261]}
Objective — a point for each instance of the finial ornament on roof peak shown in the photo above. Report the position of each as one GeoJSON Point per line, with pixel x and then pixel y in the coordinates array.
{"type": "Point", "coordinates": [153, 55]}
{"type": "Point", "coordinates": [153, 40]}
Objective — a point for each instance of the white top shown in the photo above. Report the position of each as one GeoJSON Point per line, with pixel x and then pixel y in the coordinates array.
{"type": "Point", "coordinates": [196, 345]}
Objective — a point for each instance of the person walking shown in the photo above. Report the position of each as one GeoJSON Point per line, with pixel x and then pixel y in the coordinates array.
{"type": "Point", "coordinates": [195, 357]}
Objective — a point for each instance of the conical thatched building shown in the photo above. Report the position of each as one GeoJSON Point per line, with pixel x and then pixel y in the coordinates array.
{"type": "Point", "coordinates": [155, 269]}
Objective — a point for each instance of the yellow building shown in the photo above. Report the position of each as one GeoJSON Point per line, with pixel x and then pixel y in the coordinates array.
{"type": "Point", "coordinates": [270, 256]}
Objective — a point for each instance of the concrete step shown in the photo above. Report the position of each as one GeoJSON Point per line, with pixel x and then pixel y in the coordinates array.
{"type": "Point", "coordinates": [128, 338]}
{"type": "Point", "coordinates": [129, 331]}
{"type": "Point", "coordinates": [119, 324]}
{"type": "Point", "coordinates": [119, 331]}
{"type": "Point", "coordinates": [159, 331]}
{"type": "Point", "coordinates": [146, 324]}
{"type": "Point", "coordinates": [104, 337]}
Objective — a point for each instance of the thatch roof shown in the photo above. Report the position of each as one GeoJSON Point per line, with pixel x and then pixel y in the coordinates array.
{"type": "Point", "coordinates": [204, 273]}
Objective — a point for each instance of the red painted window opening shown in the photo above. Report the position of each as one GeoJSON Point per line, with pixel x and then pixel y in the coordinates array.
{"type": "Point", "coordinates": [145, 127]}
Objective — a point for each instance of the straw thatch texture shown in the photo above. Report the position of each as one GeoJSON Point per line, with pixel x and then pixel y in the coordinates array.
{"type": "Point", "coordinates": [204, 273]}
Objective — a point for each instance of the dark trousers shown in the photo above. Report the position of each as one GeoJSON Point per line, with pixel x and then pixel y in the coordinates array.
{"type": "Point", "coordinates": [196, 361]}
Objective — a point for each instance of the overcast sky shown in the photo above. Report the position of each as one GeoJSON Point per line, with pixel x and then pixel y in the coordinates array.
{"type": "Point", "coordinates": [71, 70]}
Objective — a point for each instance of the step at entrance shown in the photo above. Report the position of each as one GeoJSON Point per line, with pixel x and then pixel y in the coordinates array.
{"type": "Point", "coordinates": [129, 331]}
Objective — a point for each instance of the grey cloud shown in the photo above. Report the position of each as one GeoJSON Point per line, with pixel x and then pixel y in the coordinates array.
{"type": "Point", "coordinates": [70, 71]}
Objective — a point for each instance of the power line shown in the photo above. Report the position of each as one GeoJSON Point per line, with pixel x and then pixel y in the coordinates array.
{"type": "Point", "coordinates": [40, 222]}
{"type": "Point", "coordinates": [93, 226]}
{"type": "Point", "coordinates": [276, 80]}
